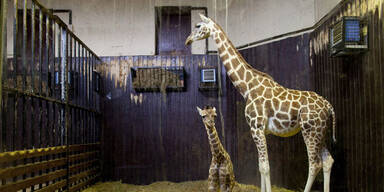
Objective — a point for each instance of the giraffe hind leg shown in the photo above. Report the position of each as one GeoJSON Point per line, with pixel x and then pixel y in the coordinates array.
{"type": "Point", "coordinates": [327, 166]}
{"type": "Point", "coordinates": [314, 145]}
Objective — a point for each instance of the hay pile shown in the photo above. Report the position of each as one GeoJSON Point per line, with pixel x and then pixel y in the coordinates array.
{"type": "Point", "coordinates": [156, 78]}
{"type": "Point", "coordinates": [165, 186]}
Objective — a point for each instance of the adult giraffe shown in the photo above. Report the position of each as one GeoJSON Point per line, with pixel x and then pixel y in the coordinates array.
{"type": "Point", "coordinates": [274, 109]}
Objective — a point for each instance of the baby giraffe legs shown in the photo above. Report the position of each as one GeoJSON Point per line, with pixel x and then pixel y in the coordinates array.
{"type": "Point", "coordinates": [226, 177]}
{"type": "Point", "coordinates": [213, 178]}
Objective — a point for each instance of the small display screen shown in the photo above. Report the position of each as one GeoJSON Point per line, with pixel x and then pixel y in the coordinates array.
{"type": "Point", "coordinates": [352, 30]}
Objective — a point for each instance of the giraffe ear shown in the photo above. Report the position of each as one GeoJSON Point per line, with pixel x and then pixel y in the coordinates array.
{"type": "Point", "coordinates": [204, 18]}
{"type": "Point", "coordinates": [200, 111]}
{"type": "Point", "coordinates": [214, 109]}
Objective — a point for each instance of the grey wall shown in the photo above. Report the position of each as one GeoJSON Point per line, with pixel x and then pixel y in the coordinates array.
{"type": "Point", "coordinates": [118, 27]}
{"type": "Point", "coordinates": [322, 7]}
{"type": "Point", "coordinates": [251, 20]}
{"type": "Point", "coordinates": [127, 27]}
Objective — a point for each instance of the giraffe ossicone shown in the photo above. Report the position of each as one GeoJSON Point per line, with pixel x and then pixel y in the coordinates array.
{"type": "Point", "coordinates": [274, 109]}
{"type": "Point", "coordinates": [221, 174]}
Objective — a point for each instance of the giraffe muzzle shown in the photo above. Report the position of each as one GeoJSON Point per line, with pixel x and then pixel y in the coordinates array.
{"type": "Point", "coordinates": [188, 41]}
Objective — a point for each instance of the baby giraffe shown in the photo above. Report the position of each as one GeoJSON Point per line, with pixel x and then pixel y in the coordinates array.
{"type": "Point", "coordinates": [221, 169]}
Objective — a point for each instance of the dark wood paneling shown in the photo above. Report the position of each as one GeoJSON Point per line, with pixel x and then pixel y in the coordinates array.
{"type": "Point", "coordinates": [162, 137]}
{"type": "Point", "coordinates": [354, 85]}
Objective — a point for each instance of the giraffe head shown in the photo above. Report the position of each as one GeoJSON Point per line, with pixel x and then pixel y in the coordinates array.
{"type": "Point", "coordinates": [208, 114]}
{"type": "Point", "coordinates": [201, 31]}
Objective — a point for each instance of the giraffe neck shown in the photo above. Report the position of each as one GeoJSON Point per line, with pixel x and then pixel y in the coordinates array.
{"type": "Point", "coordinates": [238, 70]}
{"type": "Point", "coordinates": [214, 141]}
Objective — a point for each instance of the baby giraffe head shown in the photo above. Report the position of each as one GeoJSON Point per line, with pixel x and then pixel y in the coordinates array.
{"type": "Point", "coordinates": [208, 114]}
{"type": "Point", "coordinates": [202, 30]}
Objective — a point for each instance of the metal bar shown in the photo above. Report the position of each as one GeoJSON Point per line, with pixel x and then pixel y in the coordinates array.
{"type": "Point", "coordinates": [88, 128]}
{"type": "Point", "coordinates": [46, 63]}
{"type": "Point", "coordinates": [80, 65]}
{"type": "Point", "coordinates": [33, 65]}
{"type": "Point", "coordinates": [80, 81]}
{"type": "Point", "coordinates": [24, 58]}
{"type": "Point", "coordinates": [40, 113]}
{"type": "Point", "coordinates": [33, 48]}
{"type": "Point", "coordinates": [67, 109]}
{"type": "Point", "coordinates": [57, 62]}
{"type": "Point", "coordinates": [60, 65]}
{"type": "Point", "coordinates": [41, 51]}
{"type": "Point", "coordinates": [15, 123]}
{"type": "Point", "coordinates": [15, 47]}
{"type": "Point", "coordinates": [75, 72]}
{"type": "Point", "coordinates": [3, 49]}
{"type": "Point", "coordinates": [24, 53]}
{"type": "Point", "coordinates": [32, 128]}
{"type": "Point", "coordinates": [93, 128]}
{"type": "Point", "coordinates": [92, 81]}
{"type": "Point", "coordinates": [70, 68]}
{"type": "Point", "coordinates": [88, 78]}
{"type": "Point", "coordinates": [62, 24]}
{"type": "Point", "coordinates": [83, 126]}
{"type": "Point", "coordinates": [43, 98]}
{"type": "Point", "coordinates": [82, 76]}
{"type": "Point", "coordinates": [63, 83]}
{"type": "Point", "coordinates": [4, 120]}
{"type": "Point", "coordinates": [78, 74]}
{"type": "Point", "coordinates": [53, 62]}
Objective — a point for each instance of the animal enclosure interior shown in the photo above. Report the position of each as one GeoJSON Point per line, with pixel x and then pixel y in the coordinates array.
{"type": "Point", "coordinates": [203, 95]}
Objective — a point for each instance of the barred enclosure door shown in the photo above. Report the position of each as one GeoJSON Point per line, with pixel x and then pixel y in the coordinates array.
{"type": "Point", "coordinates": [173, 25]}
{"type": "Point", "coordinates": [49, 129]}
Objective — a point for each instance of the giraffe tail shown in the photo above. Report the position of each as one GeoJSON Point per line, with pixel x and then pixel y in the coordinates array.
{"type": "Point", "coordinates": [332, 113]}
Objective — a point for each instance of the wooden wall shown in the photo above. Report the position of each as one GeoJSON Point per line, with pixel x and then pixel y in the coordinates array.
{"type": "Point", "coordinates": [354, 85]}
{"type": "Point", "coordinates": [151, 137]}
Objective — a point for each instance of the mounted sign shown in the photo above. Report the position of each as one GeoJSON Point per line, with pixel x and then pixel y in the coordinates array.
{"type": "Point", "coordinates": [208, 80]}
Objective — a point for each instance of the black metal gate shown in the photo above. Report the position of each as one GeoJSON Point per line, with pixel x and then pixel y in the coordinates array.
{"type": "Point", "coordinates": [49, 132]}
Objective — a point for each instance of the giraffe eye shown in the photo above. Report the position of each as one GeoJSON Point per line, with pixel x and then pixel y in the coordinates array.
{"type": "Point", "coordinates": [197, 26]}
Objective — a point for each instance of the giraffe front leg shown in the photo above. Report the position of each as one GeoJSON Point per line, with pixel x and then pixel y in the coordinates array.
{"type": "Point", "coordinates": [213, 178]}
{"type": "Point", "coordinates": [261, 144]}
{"type": "Point", "coordinates": [327, 166]}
